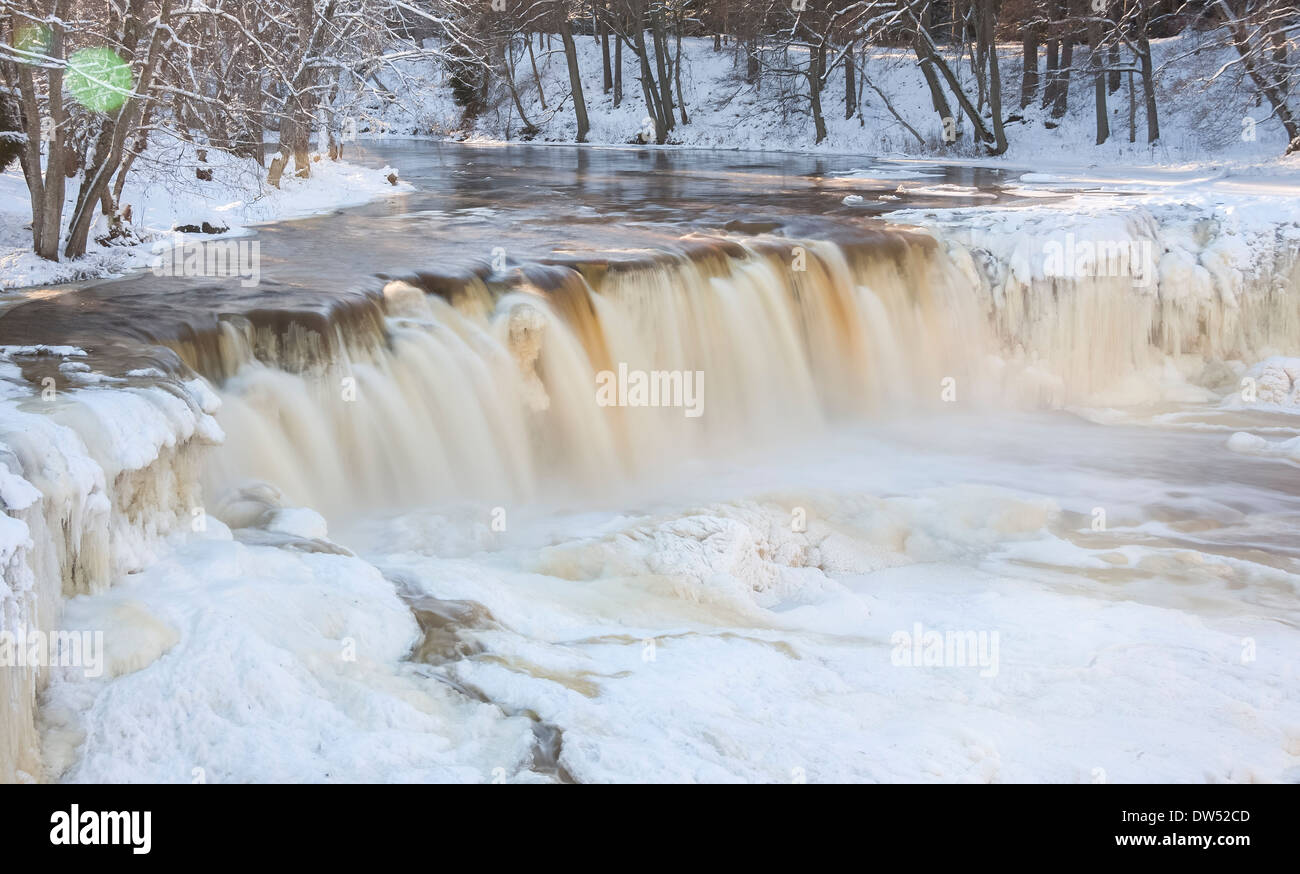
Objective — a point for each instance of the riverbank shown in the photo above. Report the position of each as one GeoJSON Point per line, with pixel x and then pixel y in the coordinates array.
{"type": "Point", "coordinates": [1207, 112]}
{"type": "Point", "coordinates": [167, 201]}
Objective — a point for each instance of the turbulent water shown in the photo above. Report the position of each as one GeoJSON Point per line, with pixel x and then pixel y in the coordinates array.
{"type": "Point", "coordinates": [905, 509]}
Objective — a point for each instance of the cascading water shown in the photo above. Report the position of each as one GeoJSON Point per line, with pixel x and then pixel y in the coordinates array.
{"type": "Point", "coordinates": [462, 401]}
{"type": "Point", "coordinates": [435, 392]}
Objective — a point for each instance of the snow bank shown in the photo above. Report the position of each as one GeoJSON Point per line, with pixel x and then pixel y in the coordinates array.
{"type": "Point", "coordinates": [278, 665]}
{"type": "Point", "coordinates": [163, 194]}
{"type": "Point", "coordinates": [1276, 382]}
{"type": "Point", "coordinates": [718, 643]}
{"type": "Point", "coordinates": [1201, 119]}
{"type": "Point", "coordinates": [1124, 300]}
{"type": "Point", "coordinates": [1251, 444]}
{"type": "Point", "coordinates": [91, 480]}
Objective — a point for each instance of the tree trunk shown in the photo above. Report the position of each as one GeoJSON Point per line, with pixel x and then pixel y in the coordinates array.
{"type": "Point", "coordinates": [977, 121]}
{"type": "Point", "coordinates": [937, 97]}
{"type": "Point", "coordinates": [677, 75]}
{"type": "Point", "coordinates": [108, 152]}
{"type": "Point", "coordinates": [300, 103]}
{"type": "Point", "coordinates": [46, 193]}
{"type": "Point", "coordinates": [1099, 81]}
{"type": "Point", "coordinates": [648, 86]}
{"type": "Point", "coordinates": [537, 78]}
{"type": "Point", "coordinates": [292, 141]}
{"type": "Point", "coordinates": [1061, 99]}
{"type": "Point", "coordinates": [607, 73]}
{"type": "Point", "coordinates": [816, 61]}
{"type": "Point", "coordinates": [921, 45]}
{"type": "Point", "coordinates": [575, 79]}
{"type": "Point", "coordinates": [1278, 37]}
{"type": "Point", "coordinates": [618, 71]}
{"type": "Point", "coordinates": [509, 69]}
{"type": "Point", "coordinates": [1148, 85]}
{"type": "Point", "coordinates": [276, 170]}
{"type": "Point", "coordinates": [1052, 71]}
{"type": "Point", "coordinates": [1132, 110]}
{"type": "Point", "coordinates": [989, 21]}
{"type": "Point", "coordinates": [665, 81]}
{"type": "Point", "coordinates": [141, 143]}
{"type": "Point", "coordinates": [1029, 82]}
{"type": "Point", "coordinates": [850, 84]}
{"type": "Point", "coordinates": [979, 59]}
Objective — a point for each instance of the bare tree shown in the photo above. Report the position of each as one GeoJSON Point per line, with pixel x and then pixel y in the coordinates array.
{"type": "Point", "coordinates": [575, 74]}
{"type": "Point", "coordinates": [1261, 32]}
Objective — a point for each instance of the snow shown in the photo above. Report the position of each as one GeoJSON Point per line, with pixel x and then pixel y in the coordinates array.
{"type": "Point", "coordinates": [91, 479]}
{"type": "Point", "coordinates": [1277, 382]}
{"type": "Point", "coordinates": [299, 522]}
{"type": "Point", "coordinates": [1251, 444]}
{"type": "Point", "coordinates": [239, 663]}
{"type": "Point", "coordinates": [1201, 122]}
{"type": "Point", "coordinates": [42, 350]}
{"type": "Point", "coordinates": [163, 194]}
{"type": "Point", "coordinates": [703, 642]}
{"type": "Point", "coordinates": [1100, 269]}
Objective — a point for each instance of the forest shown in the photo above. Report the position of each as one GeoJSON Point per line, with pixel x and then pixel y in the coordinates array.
{"type": "Point", "coordinates": [85, 85]}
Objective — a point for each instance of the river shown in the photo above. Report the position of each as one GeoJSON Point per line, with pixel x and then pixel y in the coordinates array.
{"type": "Point", "coordinates": [373, 519]}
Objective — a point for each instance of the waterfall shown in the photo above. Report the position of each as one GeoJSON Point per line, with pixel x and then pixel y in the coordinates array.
{"type": "Point", "coordinates": [497, 399]}
{"type": "Point", "coordinates": [486, 387]}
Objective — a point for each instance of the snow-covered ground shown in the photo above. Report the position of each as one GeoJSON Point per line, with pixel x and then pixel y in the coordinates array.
{"type": "Point", "coordinates": [697, 635]}
{"type": "Point", "coordinates": [1203, 117]}
{"type": "Point", "coordinates": [163, 193]}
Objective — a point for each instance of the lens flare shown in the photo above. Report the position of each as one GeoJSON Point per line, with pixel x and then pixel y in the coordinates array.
{"type": "Point", "coordinates": [33, 39]}
{"type": "Point", "coordinates": [98, 79]}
